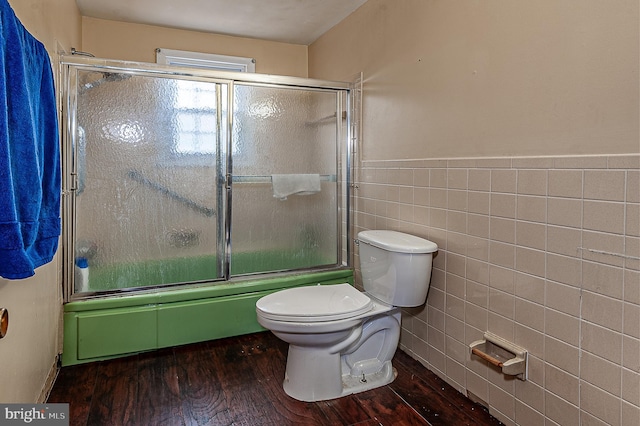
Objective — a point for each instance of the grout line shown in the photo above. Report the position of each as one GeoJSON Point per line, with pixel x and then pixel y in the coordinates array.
{"type": "Point", "coordinates": [624, 256]}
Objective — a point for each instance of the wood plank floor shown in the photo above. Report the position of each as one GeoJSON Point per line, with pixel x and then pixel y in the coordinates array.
{"type": "Point", "coordinates": [238, 381]}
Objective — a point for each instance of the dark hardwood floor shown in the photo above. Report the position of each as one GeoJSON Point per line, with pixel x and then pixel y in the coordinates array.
{"type": "Point", "coordinates": [238, 381]}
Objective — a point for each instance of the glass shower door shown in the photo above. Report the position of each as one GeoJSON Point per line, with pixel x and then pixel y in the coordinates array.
{"type": "Point", "coordinates": [284, 151]}
{"type": "Point", "coordinates": [148, 164]}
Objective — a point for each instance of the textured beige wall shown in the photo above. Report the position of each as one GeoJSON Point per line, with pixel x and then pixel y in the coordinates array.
{"type": "Point", "coordinates": [490, 78]}
{"type": "Point", "coordinates": [492, 128]}
{"type": "Point", "coordinates": [28, 352]}
{"type": "Point", "coordinates": [136, 42]}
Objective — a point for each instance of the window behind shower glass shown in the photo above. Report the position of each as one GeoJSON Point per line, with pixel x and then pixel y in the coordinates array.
{"type": "Point", "coordinates": [194, 126]}
{"type": "Point", "coordinates": [209, 61]}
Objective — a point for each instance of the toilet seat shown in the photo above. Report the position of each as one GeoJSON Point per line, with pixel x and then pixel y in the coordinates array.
{"type": "Point", "coordinates": [314, 304]}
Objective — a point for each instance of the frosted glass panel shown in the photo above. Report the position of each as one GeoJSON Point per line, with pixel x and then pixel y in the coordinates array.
{"type": "Point", "coordinates": [146, 203]}
{"type": "Point", "coordinates": [283, 131]}
{"type": "Point", "coordinates": [163, 192]}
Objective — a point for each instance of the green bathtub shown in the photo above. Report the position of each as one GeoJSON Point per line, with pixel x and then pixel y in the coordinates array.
{"type": "Point", "coordinates": [129, 323]}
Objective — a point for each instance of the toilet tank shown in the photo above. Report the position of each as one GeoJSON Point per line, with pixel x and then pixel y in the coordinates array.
{"type": "Point", "coordinates": [396, 267]}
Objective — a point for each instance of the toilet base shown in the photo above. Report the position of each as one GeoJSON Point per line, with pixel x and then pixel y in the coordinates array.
{"type": "Point", "coordinates": [306, 377]}
{"type": "Point", "coordinates": [383, 377]}
{"type": "Point", "coordinates": [359, 362]}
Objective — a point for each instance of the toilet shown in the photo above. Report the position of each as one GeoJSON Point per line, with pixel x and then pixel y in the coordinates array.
{"type": "Point", "coordinates": [341, 340]}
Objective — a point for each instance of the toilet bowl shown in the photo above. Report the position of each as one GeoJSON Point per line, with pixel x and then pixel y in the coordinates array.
{"type": "Point", "coordinates": [341, 340]}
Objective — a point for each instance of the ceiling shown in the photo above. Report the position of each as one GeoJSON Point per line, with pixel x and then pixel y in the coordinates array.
{"type": "Point", "coordinates": [288, 21]}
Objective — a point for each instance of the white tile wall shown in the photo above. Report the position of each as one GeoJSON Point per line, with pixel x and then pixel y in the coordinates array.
{"type": "Point", "coordinates": [542, 251]}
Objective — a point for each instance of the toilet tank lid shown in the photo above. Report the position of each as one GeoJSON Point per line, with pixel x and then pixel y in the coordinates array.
{"type": "Point", "coordinates": [397, 241]}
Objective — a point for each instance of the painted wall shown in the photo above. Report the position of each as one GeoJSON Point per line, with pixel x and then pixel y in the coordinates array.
{"type": "Point", "coordinates": [137, 42]}
{"type": "Point", "coordinates": [490, 78]}
{"type": "Point", "coordinates": [28, 352]}
{"type": "Point", "coordinates": [507, 132]}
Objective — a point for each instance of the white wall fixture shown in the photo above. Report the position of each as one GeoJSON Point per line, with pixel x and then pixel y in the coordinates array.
{"type": "Point", "coordinates": [509, 357]}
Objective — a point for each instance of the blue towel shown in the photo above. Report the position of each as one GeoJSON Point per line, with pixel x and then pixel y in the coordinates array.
{"type": "Point", "coordinates": [29, 151]}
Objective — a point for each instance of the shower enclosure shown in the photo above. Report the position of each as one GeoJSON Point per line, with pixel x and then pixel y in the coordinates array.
{"type": "Point", "coordinates": [169, 176]}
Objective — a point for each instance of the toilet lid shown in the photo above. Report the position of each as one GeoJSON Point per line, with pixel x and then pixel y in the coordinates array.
{"type": "Point", "coordinates": [314, 303]}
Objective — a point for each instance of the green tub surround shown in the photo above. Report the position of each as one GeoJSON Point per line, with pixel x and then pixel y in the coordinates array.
{"type": "Point", "coordinates": [104, 328]}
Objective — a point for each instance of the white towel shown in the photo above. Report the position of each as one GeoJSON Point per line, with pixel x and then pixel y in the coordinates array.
{"type": "Point", "coordinates": [301, 184]}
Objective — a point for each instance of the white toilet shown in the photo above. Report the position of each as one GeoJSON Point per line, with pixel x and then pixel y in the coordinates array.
{"type": "Point", "coordinates": [341, 341]}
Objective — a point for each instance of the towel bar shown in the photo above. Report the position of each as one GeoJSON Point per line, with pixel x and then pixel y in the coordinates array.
{"type": "Point", "coordinates": [267, 179]}
{"type": "Point", "coordinates": [510, 358]}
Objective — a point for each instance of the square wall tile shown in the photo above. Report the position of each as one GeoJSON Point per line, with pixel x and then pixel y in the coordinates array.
{"type": "Point", "coordinates": [630, 414]}
{"type": "Point", "coordinates": [604, 185]}
{"type": "Point", "coordinates": [601, 373]}
{"type": "Point", "coordinates": [502, 401]}
{"type": "Point", "coordinates": [532, 182]}
{"type": "Point", "coordinates": [478, 271]}
{"type": "Point", "coordinates": [421, 177]}
{"type": "Point", "coordinates": [438, 178]}
{"type": "Point", "coordinates": [561, 411]}
{"type": "Point", "coordinates": [529, 314]}
{"type": "Point", "coordinates": [502, 279]}
{"type": "Point", "coordinates": [503, 230]}
{"type": "Point", "coordinates": [477, 385]}
{"type": "Point", "coordinates": [602, 310]}
{"type": "Point", "coordinates": [604, 216]}
{"type": "Point", "coordinates": [564, 269]}
{"type": "Point", "coordinates": [531, 208]}
{"type": "Point", "coordinates": [479, 180]}
{"type": "Point", "coordinates": [563, 327]}
{"type": "Point", "coordinates": [603, 279]}
{"type": "Point", "coordinates": [478, 248]}
{"type": "Point", "coordinates": [631, 353]}
{"type": "Point", "coordinates": [631, 320]}
{"type": "Point", "coordinates": [565, 183]}
{"type": "Point", "coordinates": [502, 254]}
{"type": "Point", "coordinates": [529, 287]}
{"type": "Point", "coordinates": [632, 286]}
{"type": "Point", "coordinates": [631, 387]}
{"type": "Point", "coordinates": [503, 205]}
{"type": "Point", "coordinates": [502, 326]}
{"type": "Point", "coordinates": [457, 178]}
{"type": "Point", "coordinates": [602, 342]}
{"type": "Point", "coordinates": [563, 298]}
{"type": "Point", "coordinates": [531, 235]}
{"type": "Point", "coordinates": [530, 339]}
{"type": "Point", "coordinates": [600, 404]}
{"type": "Point", "coordinates": [530, 394]}
{"type": "Point", "coordinates": [476, 316]}
{"type": "Point", "coordinates": [455, 330]}
{"type": "Point", "coordinates": [563, 356]}
{"type": "Point", "coordinates": [603, 247]}
{"type": "Point", "coordinates": [457, 200]}
{"type": "Point", "coordinates": [562, 384]}
{"type": "Point", "coordinates": [479, 202]}
{"type": "Point", "coordinates": [476, 293]}
{"type": "Point", "coordinates": [531, 261]}
{"type": "Point", "coordinates": [564, 212]}
{"type": "Point", "coordinates": [501, 303]}
{"type": "Point", "coordinates": [564, 240]}
{"type": "Point", "coordinates": [504, 181]}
